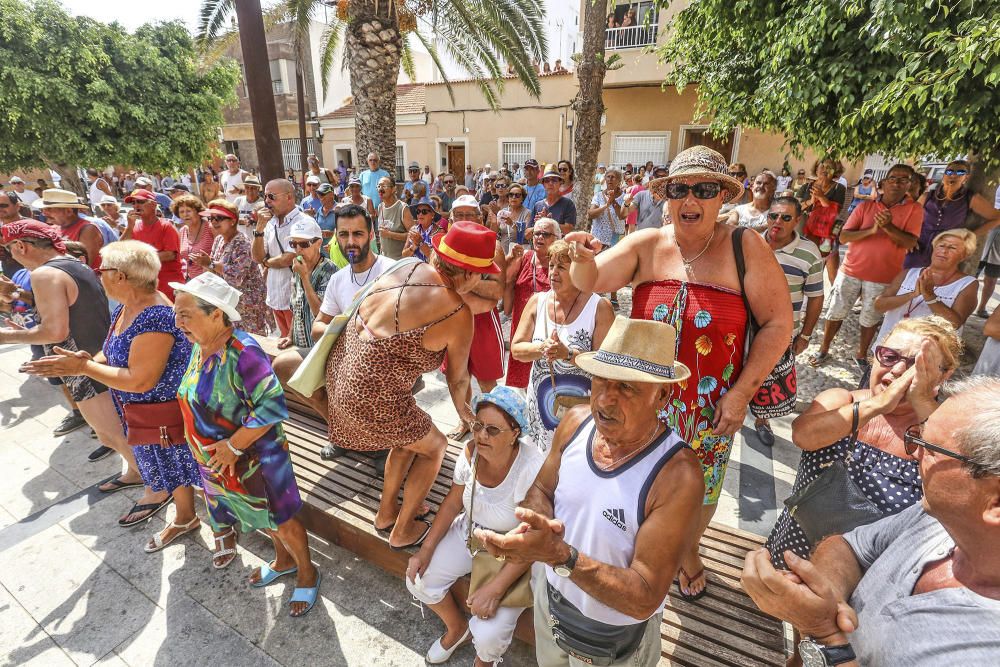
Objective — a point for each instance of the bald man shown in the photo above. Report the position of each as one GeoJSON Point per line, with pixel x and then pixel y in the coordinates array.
{"type": "Point", "coordinates": [270, 247]}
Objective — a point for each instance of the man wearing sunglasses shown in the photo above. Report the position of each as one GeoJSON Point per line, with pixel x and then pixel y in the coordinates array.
{"type": "Point", "coordinates": [879, 234]}
{"type": "Point", "coordinates": [413, 172]}
{"type": "Point", "coordinates": [555, 205]}
{"type": "Point", "coordinates": [144, 224]}
{"type": "Point", "coordinates": [649, 209]}
{"type": "Point", "coordinates": [921, 587]}
{"type": "Point", "coordinates": [271, 250]}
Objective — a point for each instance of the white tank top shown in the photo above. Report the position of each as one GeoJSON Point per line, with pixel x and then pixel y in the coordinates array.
{"type": "Point", "coordinates": [917, 308]}
{"type": "Point", "coordinates": [96, 194]}
{"type": "Point", "coordinates": [603, 511]}
{"type": "Point", "coordinates": [577, 332]}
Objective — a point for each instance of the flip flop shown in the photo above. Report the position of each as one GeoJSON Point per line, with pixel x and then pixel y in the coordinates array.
{"type": "Point", "coordinates": [268, 575]}
{"type": "Point", "coordinates": [419, 517]}
{"type": "Point", "coordinates": [152, 508]}
{"type": "Point", "coordinates": [458, 433]}
{"type": "Point", "coordinates": [818, 359]}
{"type": "Point", "coordinates": [117, 485]}
{"type": "Point", "coordinates": [308, 595]}
{"type": "Point", "coordinates": [415, 543]}
{"type": "Point", "coordinates": [697, 596]}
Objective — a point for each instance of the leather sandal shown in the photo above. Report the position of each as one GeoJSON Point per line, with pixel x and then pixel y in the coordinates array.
{"type": "Point", "coordinates": [158, 542]}
{"type": "Point", "coordinates": [222, 551]}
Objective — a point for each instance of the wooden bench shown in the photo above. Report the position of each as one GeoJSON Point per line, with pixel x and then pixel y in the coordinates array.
{"type": "Point", "coordinates": [724, 628]}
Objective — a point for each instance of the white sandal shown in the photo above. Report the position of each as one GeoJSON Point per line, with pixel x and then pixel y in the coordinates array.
{"type": "Point", "coordinates": [221, 550]}
{"type": "Point", "coordinates": [158, 542]}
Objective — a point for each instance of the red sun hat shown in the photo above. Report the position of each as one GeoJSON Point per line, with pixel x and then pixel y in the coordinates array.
{"type": "Point", "coordinates": [144, 195]}
{"type": "Point", "coordinates": [213, 210]}
{"type": "Point", "coordinates": [469, 246]}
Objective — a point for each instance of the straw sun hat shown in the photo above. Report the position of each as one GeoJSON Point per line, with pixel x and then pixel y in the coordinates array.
{"type": "Point", "coordinates": [699, 161]}
{"type": "Point", "coordinates": [636, 351]}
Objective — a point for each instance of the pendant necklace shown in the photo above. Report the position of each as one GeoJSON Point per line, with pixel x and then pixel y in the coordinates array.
{"type": "Point", "coordinates": [689, 262]}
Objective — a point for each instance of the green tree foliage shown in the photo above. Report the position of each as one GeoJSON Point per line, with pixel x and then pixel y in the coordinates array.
{"type": "Point", "coordinates": [79, 92]}
{"type": "Point", "coordinates": [850, 77]}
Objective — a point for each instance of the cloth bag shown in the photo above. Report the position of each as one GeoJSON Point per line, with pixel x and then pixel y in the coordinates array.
{"type": "Point", "coordinates": [833, 503]}
{"type": "Point", "coordinates": [485, 566]}
{"type": "Point", "coordinates": [776, 395]}
{"type": "Point", "coordinates": [311, 373]}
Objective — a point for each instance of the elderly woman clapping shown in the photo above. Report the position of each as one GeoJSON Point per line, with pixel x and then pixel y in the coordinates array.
{"type": "Point", "coordinates": [233, 409]}
{"type": "Point", "coordinates": [939, 289]}
{"type": "Point", "coordinates": [142, 361]}
{"type": "Point", "coordinates": [490, 480]}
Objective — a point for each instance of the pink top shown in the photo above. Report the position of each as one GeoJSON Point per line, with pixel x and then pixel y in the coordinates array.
{"type": "Point", "coordinates": [633, 217]}
{"type": "Point", "coordinates": [203, 243]}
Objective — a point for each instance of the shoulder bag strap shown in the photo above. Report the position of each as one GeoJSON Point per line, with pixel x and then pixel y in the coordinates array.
{"type": "Point", "coordinates": [741, 269]}
{"type": "Point", "coordinates": [472, 498]}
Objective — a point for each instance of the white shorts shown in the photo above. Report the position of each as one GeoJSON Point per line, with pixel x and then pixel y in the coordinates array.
{"type": "Point", "coordinates": [452, 560]}
{"type": "Point", "coordinates": [845, 293]}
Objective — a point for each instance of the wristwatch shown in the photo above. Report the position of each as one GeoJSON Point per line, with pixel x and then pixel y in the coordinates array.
{"type": "Point", "coordinates": [815, 654]}
{"type": "Point", "coordinates": [566, 569]}
{"type": "Point", "coordinates": [258, 234]}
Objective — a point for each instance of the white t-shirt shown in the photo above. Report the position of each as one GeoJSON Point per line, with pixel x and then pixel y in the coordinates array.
{"type": "Point", "coordinates": [229, 180]}
{"type": "Point", "coordinates": [494, 507]}
{"type": "Point", "coordinates": [27, 197]}
{"type": "Point", "coordinates": [344, 284]}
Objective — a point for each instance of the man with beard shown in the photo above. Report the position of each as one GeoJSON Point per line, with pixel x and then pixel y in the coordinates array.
{"type": "Point", "coordinates": [753, 214]}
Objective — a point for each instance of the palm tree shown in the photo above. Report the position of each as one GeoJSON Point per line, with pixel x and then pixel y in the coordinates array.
{"type": "Point", "coordinates": [377, 36]}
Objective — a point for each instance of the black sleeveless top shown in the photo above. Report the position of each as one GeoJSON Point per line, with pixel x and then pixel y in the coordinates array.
{"type": "Point", "coordinates": [89, 317]}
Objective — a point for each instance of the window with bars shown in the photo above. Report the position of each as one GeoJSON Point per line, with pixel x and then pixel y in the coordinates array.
{"type": "Point", "coordinates": [515, 151]}
{"type": "Point", "coordinates": [277, 81]}
{"type": "Point", "coordinates": [639, 149]}
{"type": "Point", "coordinates": [400, 164]}
{"type": "Point", "coordinates": [291, 152]}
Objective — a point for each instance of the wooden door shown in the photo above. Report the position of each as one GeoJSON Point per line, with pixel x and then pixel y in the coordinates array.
{"type": "Point", "coordinates": [456, 160]}
{"type": "Point", "coordinates": [699, 137]}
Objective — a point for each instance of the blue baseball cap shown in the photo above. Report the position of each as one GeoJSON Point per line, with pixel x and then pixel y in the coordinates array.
{"type": "Point", "coordinates": [506, 399]}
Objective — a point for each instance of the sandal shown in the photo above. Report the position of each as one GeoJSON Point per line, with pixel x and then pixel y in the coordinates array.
{"type": "Point", "coordinates": [151, 508]}
{"type": "Point", "coordinates": [697, 596]}
{"type": "Point", "coordinates": [458, 432]}
{"type": "Point", "coordinates": [269, 575]}
{"type": "Point", "coordinates": [158, 543]}
{"type": "Point", "coordinates": [818, 359]}
{"type": "Point", "coordinates": [417, 542]}
{"type": "Point", "coordinates": [222, 551]}
{"type": "Point", "coordinates": [420, 517]}
{"type": "Point", "coordinates": [118, 485]}
{"type": "Point", "coordinates": [307, 595]}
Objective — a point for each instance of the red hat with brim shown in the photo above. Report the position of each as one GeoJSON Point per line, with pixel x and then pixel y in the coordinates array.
{"type": "Point", "coordinates": [469, 246]}
{"type": "Point", "coordinates": [140, 195]}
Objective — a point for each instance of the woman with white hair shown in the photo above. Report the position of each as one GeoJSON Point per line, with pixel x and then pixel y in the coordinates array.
{"type": "Point", "coordinates": [939, 289]}
{"type": "Point", "coordinates": [142, 361]}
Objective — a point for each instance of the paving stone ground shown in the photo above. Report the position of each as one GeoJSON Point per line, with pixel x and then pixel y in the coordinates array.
{"type": "Point", "coordinates": [75, 589]}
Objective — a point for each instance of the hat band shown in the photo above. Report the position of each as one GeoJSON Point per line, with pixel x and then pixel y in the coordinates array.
{"type": "Point", "coordinates": [451, 253]}
{"type": "Point", "coordinates": [634, 363]}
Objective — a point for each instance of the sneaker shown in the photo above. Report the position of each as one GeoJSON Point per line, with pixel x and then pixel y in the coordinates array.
{"type": "Point", "coordinates": [331, 452]}
{"type": "Point", "coordinates": [100, 453]}
{"type": "Point", "coordinates": [70, 423]}
{"type": "Point", "coordinates": [764, 433]}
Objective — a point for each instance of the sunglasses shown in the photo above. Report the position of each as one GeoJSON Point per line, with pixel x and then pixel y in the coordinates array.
{"type": "Point", "coordinates": [737, 173]}
{"type": "Point", "coordinates": [955, 172]}
{"type": "Point", "coordinates": [270, 196]}
{"type": "Point", "coordinates": [424, 211]}
{"type": "Point", "coordinates": [912, 440]}
{"type": "Point", "coordinates": [519, 195]}
{"type": "Point", "coordinates": [785, 217]}
{"type": "Point", "coordinates": [301, 245]}
{"type": "Point", "coordinates": [492, 431]}
{"type": "Point", "coordinates": [543, 235]}
{"type": "Point", "coordinates": [563, 168]}
{"type": "Point", "coordinates": [888, 357]}
{"type": "Point", "coordinates": [217, 218]}
{"type": "Point", "coordinates": [502, 186]}
{"type": "Point", "coordinates": [449, 182]}
{"type": "Point", "coordinates": [705, 190]}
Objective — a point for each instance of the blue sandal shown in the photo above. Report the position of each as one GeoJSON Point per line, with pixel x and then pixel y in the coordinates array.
{"type": "Point", "coordinates": [268, 575]}
{"type": "Point", "coordinates": [308, 595]}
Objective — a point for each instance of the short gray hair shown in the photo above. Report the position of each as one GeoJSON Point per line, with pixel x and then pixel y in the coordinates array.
{"type": "Point", "coordinates": [209, 308]}
{"type": "Point", "coordinates": [137, 260]}
{"type": "Point", "coordinates": [980, 438]}
{"type": "Point", "coordinates": [613, 170]}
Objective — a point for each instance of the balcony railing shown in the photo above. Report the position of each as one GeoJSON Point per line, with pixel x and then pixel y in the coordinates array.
{"type": "Point", "coordinates": [630, 37]}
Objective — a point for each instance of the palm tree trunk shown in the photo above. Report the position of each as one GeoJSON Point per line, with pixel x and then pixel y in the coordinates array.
{"type": "Point", "coordinates": [589, 106]}
{"type": "Point", "coordinates": [261, 96]}
{"type": "Point", "coordinates": [301, 94]}
{"type": "Point", "coordinates": [374, 47]}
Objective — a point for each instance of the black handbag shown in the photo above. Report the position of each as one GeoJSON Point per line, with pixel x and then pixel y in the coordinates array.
{"type": "Point", "coordinates": [776, 395]}
{"type": "Point", "coordinates": [833, 503]}
{"type": "Point", "coordinates": [587, 640]}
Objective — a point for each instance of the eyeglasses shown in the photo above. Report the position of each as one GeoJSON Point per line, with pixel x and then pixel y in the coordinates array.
{"type": "Point", "coordinates": [502, 186]}
{"type": "Point", "coordinates": [270, 196]}
{"type": "Point", "coordinates": [231, 159]}
{"type": "Point", "coordinates": [912, 440]}
{"type": "Point", "coordinates": [301, 245]}
{"type": "Point", "coordinates": [888, 357]}
{"type": "Point", "coordinates": [738, 173]}
{"type": "Point", "coordinates": [542, 235]}
{"type": "Point", "coordinates": [785, 217]}
{"type": "Point", "coordinates": [704, 190]}
{"type": "Point", "coordinates": [105, 269]}
{"type": "Point", "coordinates": [217, 218]}
{"type": "Point", "coordinates": [491, 430]}
{"type": "Point", "coordinates": [902, 180]}
{"type": "Point", "coordinates": [424, 211]}
{"type": "Point", "coordinates": [563, 168]}
{"type": "Point", "coordinates": [955, 172]}
{"type": "Point", "coordinates": [449, 182]}
{"type": "Point", "coordinates": [519, 195]}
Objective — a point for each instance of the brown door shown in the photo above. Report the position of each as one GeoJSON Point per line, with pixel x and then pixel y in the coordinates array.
{"type": "Point", "coordinates": [699, 137]}
{"type": "Point", "coordinates": [456, 160]}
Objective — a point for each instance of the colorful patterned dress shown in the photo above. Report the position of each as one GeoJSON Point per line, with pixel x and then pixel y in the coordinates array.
{"type": "Point", "coordinates": [162, 468]}
{"type": "Point", "coordinates": [240, 271]}
{"type": "Point", "coordinates": [711, 326]}
{"type": "Point", "coordinates": [233, 388]}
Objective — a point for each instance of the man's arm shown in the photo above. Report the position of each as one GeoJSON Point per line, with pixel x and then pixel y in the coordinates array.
{"type": "Point", "coordinates": [903, 239]}
{"type": "Point", "coordinates": [541, 495]}
{"type": "Point", "coordinates": [835, 559]}
{"type": "Point", "coordinates": [491, 286]}
{"type": "Point", "coordinates": [51, 288]}
{"type": "Point", "coordinates": [92, 240]}
{"type": "Point", "coordinates": [851, 232]}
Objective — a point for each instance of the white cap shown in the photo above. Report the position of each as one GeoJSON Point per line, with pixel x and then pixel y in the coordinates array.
{"type": "Point", "coordinates": [465, 201]}
{"type": "Point", "coordinates": [313, 179]}
{"type": "Point", "coordinates": [487, 166]}
{"type": "Point", "coordinates": [214, 290]}
{"type": "Point", "coordinates": [142, 180]}
{"type": "Point", "coordinates": [305, 228]}
{"type": "Point", "coordinates": [108, 199]}
{"type": "Point", "coordinates": [16, 179]}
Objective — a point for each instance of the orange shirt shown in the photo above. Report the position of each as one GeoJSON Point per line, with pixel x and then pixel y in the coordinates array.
{"type": "Point", "coordinates": [877, 258]}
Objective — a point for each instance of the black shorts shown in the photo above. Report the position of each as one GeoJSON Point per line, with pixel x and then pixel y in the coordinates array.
{"type": "Point", "coordinates": [37, 352]}
{"type": "Point", "coordinates": [991, 270]}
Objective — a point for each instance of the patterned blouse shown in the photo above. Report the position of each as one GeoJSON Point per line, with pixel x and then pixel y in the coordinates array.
{"type": "Point", "coordinates": [240, 271]}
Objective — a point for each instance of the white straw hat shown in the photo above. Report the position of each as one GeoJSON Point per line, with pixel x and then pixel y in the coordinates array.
{"type": "Point", "coordinates": [636, 351]}
{"type": "Point", "coordinates": [212, 289]}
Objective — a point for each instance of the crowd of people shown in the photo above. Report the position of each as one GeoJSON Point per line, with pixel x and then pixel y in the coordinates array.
{"type": "Point", "coordinates": [599, 440]}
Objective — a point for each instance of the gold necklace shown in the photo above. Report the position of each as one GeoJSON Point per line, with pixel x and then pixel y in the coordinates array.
{"type": "Point", "coordinates": [622, 459]}
{"type": "Point", "coordinates": [689, 262]}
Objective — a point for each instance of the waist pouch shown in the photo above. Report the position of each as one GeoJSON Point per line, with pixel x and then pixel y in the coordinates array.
{"type": "Point", "coordinates": [155, 423]}
{"type": "Point", "coordinates": [587, 640]}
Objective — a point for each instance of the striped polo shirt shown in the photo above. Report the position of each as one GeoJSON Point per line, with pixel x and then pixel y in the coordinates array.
{"type": "Point", "coordinates": [803, 266]}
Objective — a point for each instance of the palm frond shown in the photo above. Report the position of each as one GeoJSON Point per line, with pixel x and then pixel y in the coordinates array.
{"type": "Point", "coordinates": [298, 14]}
{"type": "Point", "coordinates": [436, 59]}
{"type": "Point", "coordinates": [329, 42]}
{"type": "Point", "coordinates": [213, 19]}
{"type": "Point", "coordinates": [406, 61]}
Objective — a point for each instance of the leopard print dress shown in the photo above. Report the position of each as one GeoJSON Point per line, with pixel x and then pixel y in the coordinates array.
{"type": "Point", "coordinates": [368, 382]}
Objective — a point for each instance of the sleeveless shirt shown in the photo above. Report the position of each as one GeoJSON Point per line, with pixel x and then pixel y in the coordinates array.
{"type": "Point", "coordinates": [89, 316]}
{"type": "Point", "coordinates": [391, 218]}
